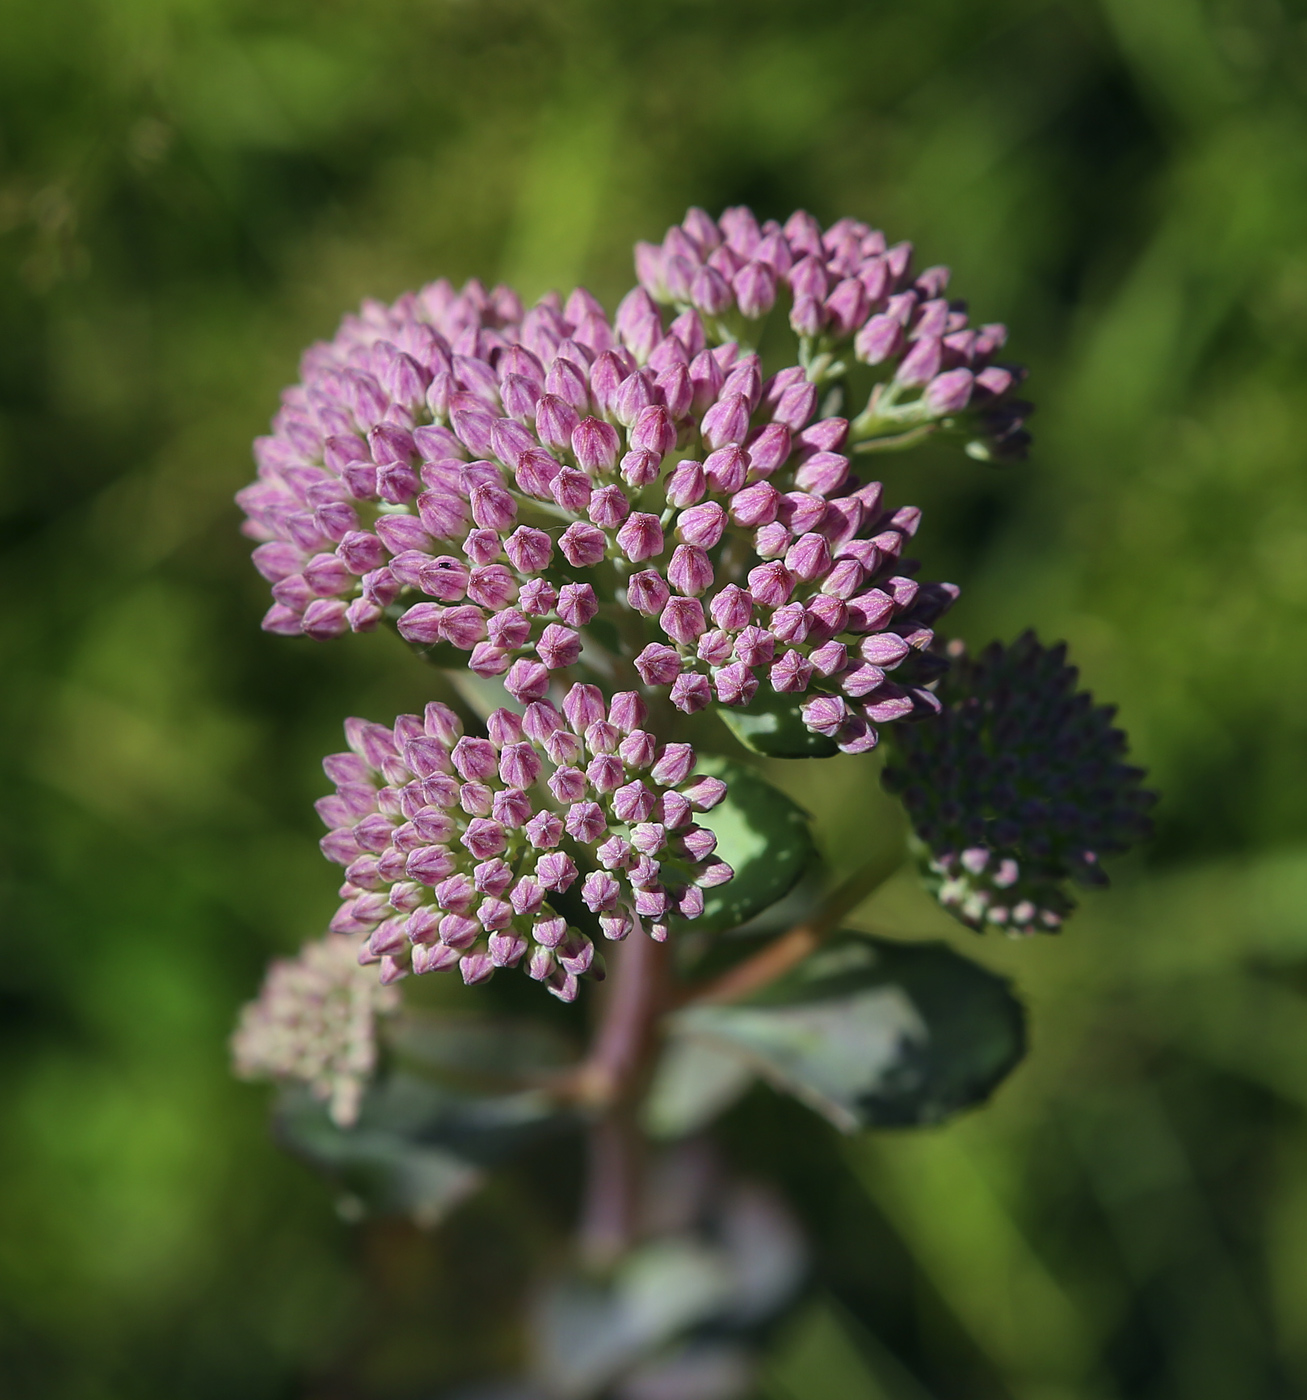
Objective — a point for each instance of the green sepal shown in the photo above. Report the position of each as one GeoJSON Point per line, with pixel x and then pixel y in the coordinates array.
{"type": "Point", "coordinates": [873, 1033]}
{"type": "Point", "coordinates": [772, 726]}
{"type": "Point", "coordinates": [762, 834]}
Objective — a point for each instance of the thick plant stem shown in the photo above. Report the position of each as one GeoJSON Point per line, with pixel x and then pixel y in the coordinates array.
{"type": "Point", "coordinates": [635, 995]}
{"type": "Point", "coordinates": [611, 1081]}
{"type": "Point", "coordinates": [614, 1153]}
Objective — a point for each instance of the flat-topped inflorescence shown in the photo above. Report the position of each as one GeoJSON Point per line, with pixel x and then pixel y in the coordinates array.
{"type": "Point", "coordinates": [848, 290]}
{"type": "Point", "coordinates": [1017, 789]}
{"type": "Point", "coordinates": [457, 847]}
{"type": "Point", "coordinates": [560, 472]}
{"type": "Point", "coordinates": [314, 1022]}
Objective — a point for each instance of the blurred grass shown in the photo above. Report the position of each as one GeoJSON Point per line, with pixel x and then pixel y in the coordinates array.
{"type": "Point", "coordinates": [190, 190]}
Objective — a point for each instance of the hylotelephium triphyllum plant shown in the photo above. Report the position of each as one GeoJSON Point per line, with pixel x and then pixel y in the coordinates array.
{"type": "Point", "coordinates": [596, 528]}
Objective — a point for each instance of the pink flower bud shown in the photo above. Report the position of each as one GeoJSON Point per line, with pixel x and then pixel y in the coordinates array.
{"type": "Point", "coordinates": [653, 431]}
{"type": "Point", "coordinates": [583, 545]}
{"type": "Point", "coordinates": [727, 421]}
{"type": "Point", "coordinates": [482, 546]}
{"type": "Point", "coordinates": [823, 473]}
{"type": "Point", "coordinates": [583, 706]}
{"type": "Point", "coordinates": [727, 469]}
{"type": "Point", "coordinates": [571, 490]}
{"type": "Point", "coordinates": [771, 584]}
{"type": "Point", "coordinates": [735, 684]}
{"type": "Point", "coordinates": [564, 748]}
{"type": "Point", "coordinates": [614, 854]}
{"type": "Point", "coordinates": [526, 681]}
{"type": "Point", "coordinates": [586, 822]}
{"type": "Point", "coordinates": [829, 658]}
{"type": "Point", "coordinates": [556, 419]}
{"type": "Point", "coordinates": [847, 306]}
{"type": "Point", "coordinates": [595, 444]}
{"type": "Point", "coordinates": [422, 624]}
{"type": "Point", "coordinates": [707, 378]}
{"type": "Point", "coordinates": [808, 557]}
{"type": "Point", "coordinates": [627, 711]}
{"type": "Point", "coordinates": [949, 392]}
{"type": "Point", "coordinates": [792, 674]}
{"type": "Point", "coordinates": [682, 619]}
{"type": "Point", "coordinates": [492, 585]}
{"type": "Point", "coordinates": [609, 507]}
{"type": "Point", "coordinates": [755, 646]}
{"type": "Point", "coordinates": [824, 714]}
{"type": "Point", "coordinates": [537, 597]}
{"type": "Point", "coordinates": [324, 618]}
{"type": "Point", "coordinates": [544, 830]}
{"type": "Point", "coordinates": [922, 362]}
{"type": "Point", "coordinates": [601, 892]}
{"type": "Point", "coordinates": [558, 646]}
{"type": "Point", "coordinates": [870, 611]}
{"type": "Point", "coordinates": [638, 749]}
{"type": "Point", "coordinates": [519, 397]}
{"type": "Point", "coordinates": [755, 289]}
{"type": "Point", "coordinates": [639, 468]}
{"type": "Point", "coordinates": [732, 608]}
{"type": "Point", "coordinates": [674, 810]}
{"type": "Point", "coordinates": [879, 340]}
{"type": "Point", "coordinates": [633, 802]}
{"type": "Point", "coordinates": [885, 649]}
{"type": "Point", "coordinates": [602, 737]}
{"type": "Point", "coordinates": [690, 570]}
{"type": "Point", "coordinates": [556, 871]}
{"type": "Point", "coordinates": [647, 592]}
{"type": "Point", "coordinates": [687, 485]}
{"type": "Point", "coordinates": [715, 647]}
{"type": "Point", "coordinates": [705, 793]}
{"type": "Point", "coordinates": [566, 382]}
{"type": "Point", "coordinates": [529, 550]}
{"type": "Point", "coordinates": [527, 895]}
{"type": "Point", "coordinates": [658, 665]}
{"type": "Point", "coordinates": [476, 799]}
{"type": "Point", "coordinates": [508, 629]}
{"type": "Point", "coordinates": [512, 807]}
{"type": "Point", "coordinates": [790, 623]}
{"type": "Point", "coordinates": [701, 525]}
{"type": "Point", "coordinates": [641, 537]}
{"type": "Point", "coordinates": [769, 448]}
{"type": "Point", "coordinates": [535, 473]}
{"type": "Point", "coordinates": [710, 292]}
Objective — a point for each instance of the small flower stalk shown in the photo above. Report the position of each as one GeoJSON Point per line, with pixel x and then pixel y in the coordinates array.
{"type": "Point", "coordinates": [1018, 790]}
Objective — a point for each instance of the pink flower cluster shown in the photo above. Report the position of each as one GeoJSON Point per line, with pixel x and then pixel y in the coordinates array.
{"type": "Point", "coordinates": [844, 283]}
{"type": "Point", "coordinates": [456, 848]}
{"type": "Point", "coordinates": [562, 465]}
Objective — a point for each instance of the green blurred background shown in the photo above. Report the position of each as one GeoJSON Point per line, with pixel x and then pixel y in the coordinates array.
{"type": "Point", "coordinates": [190, 191]}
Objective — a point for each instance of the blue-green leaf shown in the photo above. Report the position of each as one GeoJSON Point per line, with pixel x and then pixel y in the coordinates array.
{"type": "Point", "coordinates": [762, 835]}
{"type": "Point", "coordinates": [869, 1032]}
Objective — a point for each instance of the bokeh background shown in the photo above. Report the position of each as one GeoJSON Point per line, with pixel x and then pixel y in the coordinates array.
{"type": "Point", "coordinates": [190, 191]}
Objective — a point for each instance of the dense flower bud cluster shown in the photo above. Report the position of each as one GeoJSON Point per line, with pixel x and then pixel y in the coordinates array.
{"type": "Point", "coordinates": [847, 284]}
{"type": "Point", "coordinates": [456, 847]}
{"type": "Point", "coordinates": [1018, 788]}
{"type": "Point", "coordinates": [628, 470]}
{"type": "Point", "coordinates": [314, 1021]}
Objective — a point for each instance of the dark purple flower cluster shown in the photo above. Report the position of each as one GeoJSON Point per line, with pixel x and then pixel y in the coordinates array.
{"type": "Point", "coordinates": [1018, 788]}
{"type": "Point", "coordinates": [457, 847]}
{"type": "Point", "coordinates": [847, 284]}
{"type": "Point", "coordinates": [524, 488]}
